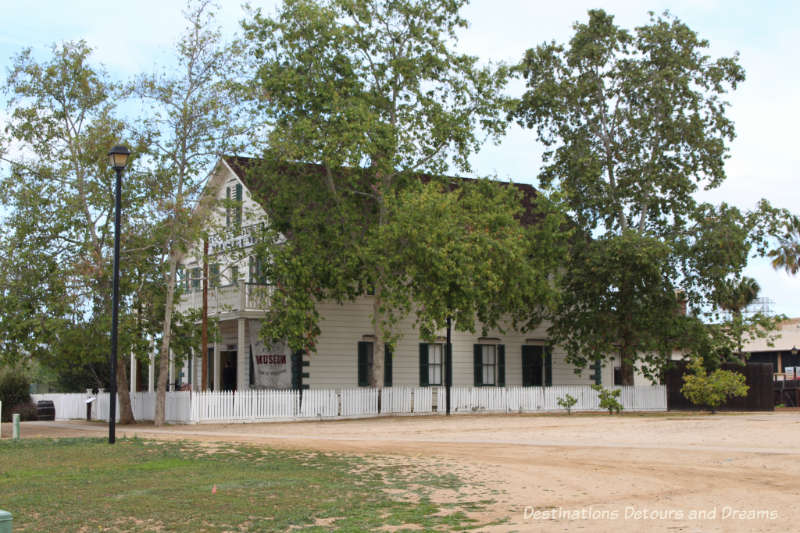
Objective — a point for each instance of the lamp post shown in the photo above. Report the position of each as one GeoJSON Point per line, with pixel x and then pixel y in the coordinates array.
{"type": "Point", "coordinates": [118, 157]}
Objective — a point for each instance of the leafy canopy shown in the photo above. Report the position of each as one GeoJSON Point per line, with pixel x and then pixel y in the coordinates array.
{"type": "Point", "coordinates": [635, 123]}
{"type": "Point", "coordinates": [361, 96]}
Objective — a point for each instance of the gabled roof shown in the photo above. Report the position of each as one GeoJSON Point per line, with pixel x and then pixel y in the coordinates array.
{"type": "Point", "coordinates": [241, 166]}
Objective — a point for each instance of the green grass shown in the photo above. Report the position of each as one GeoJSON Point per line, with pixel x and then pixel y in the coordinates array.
{"type": "Point", "coordinates": [139, 485]}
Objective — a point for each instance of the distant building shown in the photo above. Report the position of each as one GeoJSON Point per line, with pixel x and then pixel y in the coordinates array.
{"type": "Point", "coordinates": [784, 353]}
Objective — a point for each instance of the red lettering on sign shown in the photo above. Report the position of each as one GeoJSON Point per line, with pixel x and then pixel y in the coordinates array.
{"type": "Point", "coordinates": [271, 359]}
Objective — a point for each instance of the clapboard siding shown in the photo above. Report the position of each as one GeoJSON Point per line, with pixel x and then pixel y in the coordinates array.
{"type": "Point", "coordinates": [342, 326]}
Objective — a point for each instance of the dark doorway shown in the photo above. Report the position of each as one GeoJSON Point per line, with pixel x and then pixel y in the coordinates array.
{"type": "Point", "coordinates": [228, 374]}
{"type": "Point", "coordinates": [142, 375]}
{"type": "Point", "coordinates": [537, 367]}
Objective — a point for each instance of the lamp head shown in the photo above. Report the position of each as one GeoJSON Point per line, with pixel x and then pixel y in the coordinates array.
{"type": "Point", "coordinates": [118, 156]}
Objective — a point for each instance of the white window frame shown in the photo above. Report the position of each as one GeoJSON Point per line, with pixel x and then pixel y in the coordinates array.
{"type": "Point", "coordinates": [433, 365]}
{"type": "Point", "coordinates": [489, 364]}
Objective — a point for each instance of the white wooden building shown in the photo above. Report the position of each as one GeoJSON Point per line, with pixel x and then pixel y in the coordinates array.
{"type": "Point", "coordinates": [237, 300]}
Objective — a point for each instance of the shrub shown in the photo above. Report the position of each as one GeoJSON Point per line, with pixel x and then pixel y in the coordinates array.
{"type": "Point", "coordinates": [14, 390]}
{"type": "Point", "coordinates": [714, 389]}
{"type": "Point", "coordinates": [567, 402]}
{"type": "Point", "coordinates": [609, 399]}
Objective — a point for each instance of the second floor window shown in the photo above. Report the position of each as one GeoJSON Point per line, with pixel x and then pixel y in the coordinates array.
{"type": "Point", "coordinates": [196, 278]}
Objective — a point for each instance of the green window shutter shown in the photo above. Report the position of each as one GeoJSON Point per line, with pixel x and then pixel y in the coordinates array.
{"type": "Point", "coordinates": [526, 367]}
{"type": "Point", "coordinates": [598, 372]}
{"type": "Point", "coordinates": [501, 365]}
{"type": "Point", "coordinates": [234, 275]}
{"type": "Point", "coordinates": [228, 208]}
{"type": "Point", "coordinates": [448, 364]}
{"type": "Point", "coordinates": [423, 365]}
{"type": "Point", "coordinates": [477, 363]}
{"type": "Point", "coordinates": [214, 275]}
{"type": "Point", "coordinates": [239, 205]}
{"type": "Point", "coordinates": [387, 366]}
{"type": "Point", "coordinates": [363, 364]}
{"type": "Point", "coordinates": [548, 366]}
{"type": "Point", "coordinates": [297, 370]}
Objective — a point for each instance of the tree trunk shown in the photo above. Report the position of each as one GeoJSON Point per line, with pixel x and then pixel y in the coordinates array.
{"type": "Point", "coordinates": [124, 394]}
{"type": "Point", "coordinates": [163, 361]}
{"type": "Point", "coordinates": [626, 366]}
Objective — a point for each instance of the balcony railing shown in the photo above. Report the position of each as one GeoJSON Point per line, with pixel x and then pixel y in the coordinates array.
{"type": "Point", "coordinates": [229, 298]}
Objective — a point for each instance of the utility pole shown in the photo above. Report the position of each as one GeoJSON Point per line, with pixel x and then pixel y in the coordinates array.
{"type": "Point", "coordinates": [204, 327]}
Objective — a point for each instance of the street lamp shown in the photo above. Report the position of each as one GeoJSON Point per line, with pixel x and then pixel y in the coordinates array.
{"type": "Point", "coordinates": [118, 157]}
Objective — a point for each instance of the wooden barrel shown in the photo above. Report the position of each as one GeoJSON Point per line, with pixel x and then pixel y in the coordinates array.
{"type": "Point", "coordinates": [45, 410]}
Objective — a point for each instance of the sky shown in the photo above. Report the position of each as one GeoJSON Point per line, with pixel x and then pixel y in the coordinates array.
{"type": "Point", "coordinates": [764, 162]}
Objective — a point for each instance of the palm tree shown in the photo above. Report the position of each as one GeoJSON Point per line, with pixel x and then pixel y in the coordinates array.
{"type": "Point", "coordinates": [787, 254]}
{"type": "Point", "coordinates": [734, 296]}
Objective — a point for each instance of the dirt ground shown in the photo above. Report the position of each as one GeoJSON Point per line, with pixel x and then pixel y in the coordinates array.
{"type": "Point", "coordinates": [661, 472]}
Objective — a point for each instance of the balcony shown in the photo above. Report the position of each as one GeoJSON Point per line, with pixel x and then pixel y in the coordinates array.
{"type": "Point", "coordinates": [229, 298]}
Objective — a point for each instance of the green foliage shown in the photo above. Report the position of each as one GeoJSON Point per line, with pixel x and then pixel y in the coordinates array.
{"type": "Point", "coordinates": [567, 402]}
{"type": "Point", "coordinates": [711, 389]}
{"type": "Point", "coordinates": [14, 391]}
{"type": "Point", "coordinates": [786, 254]}
{"type": "Point", "coordinates": [462, 253]}
{"type": "Point", "coordinates": [636, 124]}
{"type": "Point", "coordinates": [58, 228]}
{"type": "Point", "coordinates": [194, 116]}
{"type": "Point", "coordinates": [609, 398]}
{"type": "Point", "coordinates": [366, 95]}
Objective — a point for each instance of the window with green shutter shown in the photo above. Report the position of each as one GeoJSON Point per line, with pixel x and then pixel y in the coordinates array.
{"type": "Point", "coordinates": [435, 363]}
{"type": "Point", "coordinates": [213, 275]}
{"type": "Point", "coordinates": [197, 277]}
{"type": "Point", "coordinates": [489, 362]}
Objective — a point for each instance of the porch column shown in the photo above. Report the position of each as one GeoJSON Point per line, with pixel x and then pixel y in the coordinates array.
{"type": "Point", "coordinates": [133, 376]}
{"type": "Point", "coordinates": [242, 357]}
{"type": "Point", "coordinates": [151, 373]}
{"type": "Point", "coordinates": [216, 377]}
{"type": "Point", "coordinates": [171, 373]}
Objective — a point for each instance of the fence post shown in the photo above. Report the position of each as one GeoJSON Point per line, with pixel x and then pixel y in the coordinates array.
{"type": "Point", "coordinates": [15, 426]}
{"type": "Point", "coordinates": [6, 522]}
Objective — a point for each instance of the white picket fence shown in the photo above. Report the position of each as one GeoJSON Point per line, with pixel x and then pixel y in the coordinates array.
{"type": "Point", "coordinates": [268, 405]}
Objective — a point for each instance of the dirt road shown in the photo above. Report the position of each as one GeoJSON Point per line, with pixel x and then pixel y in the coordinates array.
{"type": "Point", "coordinates": [667, 472]}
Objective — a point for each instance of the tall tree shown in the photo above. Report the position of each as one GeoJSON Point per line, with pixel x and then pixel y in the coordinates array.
{"type": "Point", "coordinates": [635, 123]}
{"type": "Point", "coordinates": [60, 195]}
{"type": "Point", "coordinates": [193, 119]}
{"type": "Point", "coordinates": [368, 92]}
{"type": "Point", "coordinates": [471, 253]}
